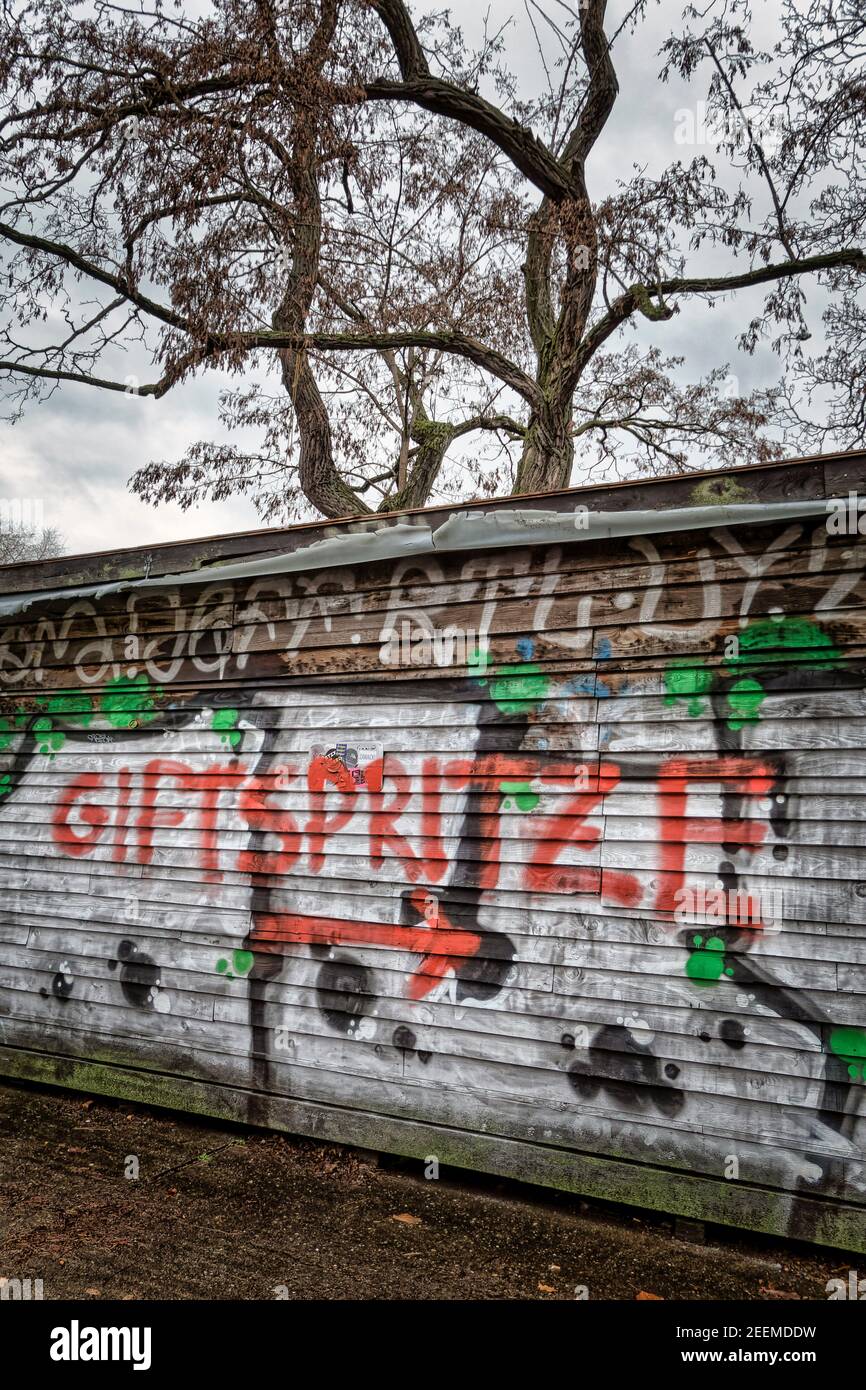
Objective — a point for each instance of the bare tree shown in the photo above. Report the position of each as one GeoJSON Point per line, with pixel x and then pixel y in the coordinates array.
{"type": "Point", "coordinates": [21, 542]}
{"type": "Point", "coordinates": [343, 194]}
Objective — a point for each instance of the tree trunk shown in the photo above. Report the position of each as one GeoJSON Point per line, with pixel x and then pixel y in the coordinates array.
{"type": "Point", "coordinates": [548, 453]}
{"type": "Point", "coordinates": [318, 475]}
{"type": "Point", "coordinates": [433, 440]}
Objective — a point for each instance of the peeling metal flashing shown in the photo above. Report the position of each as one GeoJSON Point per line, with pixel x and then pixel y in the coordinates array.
{"type": "Point", "coordinates": [466, 530]}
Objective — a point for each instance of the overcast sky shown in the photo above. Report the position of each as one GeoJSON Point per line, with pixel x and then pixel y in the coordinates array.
{"type": "Point", "coordinates": [77, 450]}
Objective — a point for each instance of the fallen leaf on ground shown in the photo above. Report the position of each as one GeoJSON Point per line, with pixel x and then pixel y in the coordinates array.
{"type": "Point", "coordinates": [643, 1294]}
{"type": "Point", "coordinates": [776, 1293]}
{"type": "Point", "coordinates": [95, 1293]}
{"type": "Point", "coordinates": [546, 1288]}
{"type": "Point", "coordinates": [408, 1219]}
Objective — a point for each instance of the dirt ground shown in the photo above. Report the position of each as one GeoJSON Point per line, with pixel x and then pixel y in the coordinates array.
{"type": "Point", "coordinates": [222, 1212]}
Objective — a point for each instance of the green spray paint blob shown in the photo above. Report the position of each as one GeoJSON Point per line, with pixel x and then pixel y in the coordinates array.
{"type": "Point", "coordinates": [524, 796]}
{"type": "Point", "coordinates": [771, 641]}
{"type": "Point", "coordinates": [706, 965]}
{"type": "Point", "coordinates": [513, 689]}
{"type": "Point", "coordinates": [128, 703]}
{"type": "Point", "coordinates": [5, 784]}
{"type": "Point", "coordinates": [799, 640]}
{"type": "Point", "coordinates": [516, 688]}
{"type": "Point", "coordinates": [686, 681]}
{"type": "Point", "coordinates": [48, 739]}
{"type": "Point", "coordinates": [745, 699]}
{"type": "Point", "coordinates": [224, 723]}
{"type": "Point", "coordinates": [850, 1045]}
{"type": "Point", "coordinates": [72, 705]}
{"type": "Point", "coordinates": [242, 962]}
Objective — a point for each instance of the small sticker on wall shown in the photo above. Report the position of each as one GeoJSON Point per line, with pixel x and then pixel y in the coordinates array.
{"type": "Point", "coordinates": [362, 761]}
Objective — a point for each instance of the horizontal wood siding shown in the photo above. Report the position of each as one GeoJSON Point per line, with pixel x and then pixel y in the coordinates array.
{"type": "Point", "coordinates": [595, 916]}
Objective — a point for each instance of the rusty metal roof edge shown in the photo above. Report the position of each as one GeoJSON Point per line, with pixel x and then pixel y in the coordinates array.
{"type": "Point", "coordinates": [697, 476]}
{"type": "Point", "coordinates": [463, 530]}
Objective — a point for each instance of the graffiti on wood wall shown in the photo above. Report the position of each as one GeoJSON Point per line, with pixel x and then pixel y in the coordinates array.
{"type": "Point", "coordinates": [660, 603]}
{"type": "Point", "coordinates": [594, 869]}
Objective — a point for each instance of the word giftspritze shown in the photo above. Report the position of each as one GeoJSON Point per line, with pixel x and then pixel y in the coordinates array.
{"type": "Point", "coordinates": [117, 815]}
